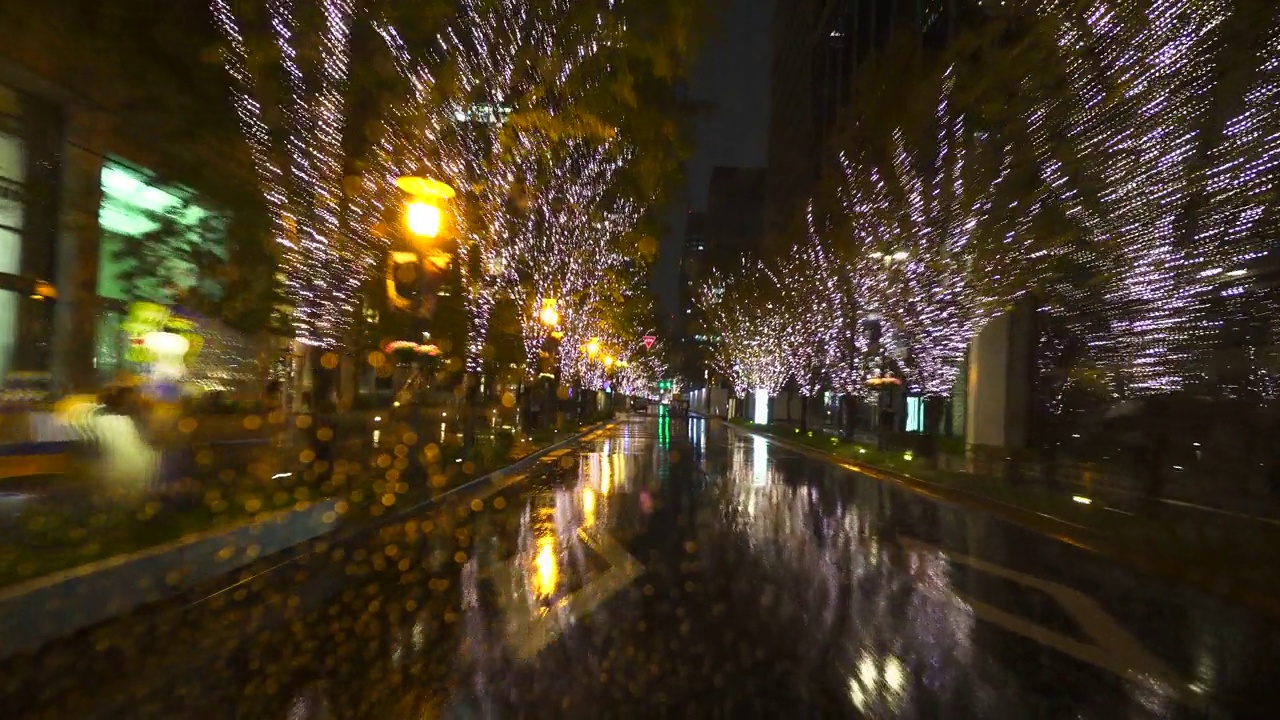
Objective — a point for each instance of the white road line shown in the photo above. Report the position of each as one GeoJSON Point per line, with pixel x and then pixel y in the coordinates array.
{"type": "Point", "coordinates": [1112, 647]}
{"type": "Point", "coordinates": [530, 629]}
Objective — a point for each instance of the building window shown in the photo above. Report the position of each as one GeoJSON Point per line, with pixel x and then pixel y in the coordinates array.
{"type": "Point", "coordinates": [915, 414]}
{"type": "Point", "coordinates": [13, 166]}
{"type": "Point", "coordinates": [132, 209]}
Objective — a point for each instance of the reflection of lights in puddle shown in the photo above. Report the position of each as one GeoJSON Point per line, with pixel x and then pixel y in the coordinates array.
{"type": "Point", "coordinates": [759, 460]}
{"type": "Point", "coordinates": [857, 695]}
{"type": "Point", "coordinates": [867, 671]}
{"type": "Point", "coordinates": [894, 674]}
{"type": "Point", "coordinates": [873, 681]}
{"type": "Point", "coordinates": [280, 476]}
{"type": "Point", "coordinates": [419, 635]}
{"type": "Point", "coordinates": [588, 507]}
{"type": "Point", "coordinates": [10, 500]}
{"type": "Point", "coordinates": [1082, 499]}
{"type": "Point", "coordinates": [547, 568]}
{"type": "Point", "coordinates": [377, 435]}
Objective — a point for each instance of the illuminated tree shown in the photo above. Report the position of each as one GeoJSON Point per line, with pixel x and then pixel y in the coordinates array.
{"type": "Point", "coordinates": [924, 230]}
{"type": "Point", "coordinates": [745, 310]}
{"type": "Point", "coordinates": [509, 127]}
{"type": "Point", "coordinates": [292, 107]}
{"type": "Point", "coordinates": [575, 235]}
{"type": "Point", "coordinates": [1188, 203]}
{"type": "Point", "coordinates": [1240, 224]}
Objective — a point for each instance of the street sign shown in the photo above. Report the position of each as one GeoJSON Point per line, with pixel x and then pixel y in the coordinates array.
{"type": "Point", "coordinates": [649, 340]}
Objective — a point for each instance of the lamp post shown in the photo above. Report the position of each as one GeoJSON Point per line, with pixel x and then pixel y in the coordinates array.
{"type": "Point", "coordinates": [549, 316]}
{"type": "Point", "coordinates": [425, 221]}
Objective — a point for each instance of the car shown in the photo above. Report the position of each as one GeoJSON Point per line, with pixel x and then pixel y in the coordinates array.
{"type": "Point", "coordinates": [639, 405]}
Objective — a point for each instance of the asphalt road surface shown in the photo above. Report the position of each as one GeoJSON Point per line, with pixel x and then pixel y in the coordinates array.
{"type": "Point", "coordinates": [672, 568]}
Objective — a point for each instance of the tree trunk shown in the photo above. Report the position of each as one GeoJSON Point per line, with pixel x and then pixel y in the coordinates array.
{"type": "Point", "coordinates": [848, 416]}
{"type": "Point", "coordinates": [471, 396]}
{"type": "Point", "coordinates": [549, 403]}
{"type": "Point", "coordinates": [323, 432]}
{"type": "Point", "coordinates": [933, 410]}
{"type": "Point", "coordinates": [804, 414]}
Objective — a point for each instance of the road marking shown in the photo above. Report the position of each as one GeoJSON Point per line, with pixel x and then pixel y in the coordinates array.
{"type": "Point", "coordinates": [530, 628]}
{"type": "Point", "coordinates": [1112, 647]}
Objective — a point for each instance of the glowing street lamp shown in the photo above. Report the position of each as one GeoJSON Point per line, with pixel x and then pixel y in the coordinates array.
{"type": "Point", "coordinates": [424, 212]}
{"type": "Point", "coordinates": [609, 361]}
{"type": "Point", "coordinates": [592, 348]}
{"type": "Point", "coordinates": [424, 219]}
{"type": "Point", "coordinates": [549, 315]}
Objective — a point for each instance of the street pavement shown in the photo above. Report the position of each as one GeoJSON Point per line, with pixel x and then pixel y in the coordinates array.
{"type": "Point", "coordinates": [671, 567]}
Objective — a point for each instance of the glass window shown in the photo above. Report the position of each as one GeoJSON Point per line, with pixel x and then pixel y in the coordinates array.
{"type": "Point", "coordinates": [12, 175]}
{"type": "Point", "coordinates": [915, 414]}
{"type": "Point", "coordinates": [131, 208]}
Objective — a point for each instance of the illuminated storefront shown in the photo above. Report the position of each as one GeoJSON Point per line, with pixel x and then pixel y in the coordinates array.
{"type": "Point", "coordinates": [133, 206]}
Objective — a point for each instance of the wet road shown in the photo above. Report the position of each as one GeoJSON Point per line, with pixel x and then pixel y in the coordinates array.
{"type": "Point", "coordinates": [671, 567]}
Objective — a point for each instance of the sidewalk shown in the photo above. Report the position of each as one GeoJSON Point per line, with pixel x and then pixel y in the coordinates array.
{"type": "Point", "coordinates": [371, 468]}
{"type": "Point", "coordinates": [1225, 553]}
{"type": "Point", "coordinates": [54, 605]}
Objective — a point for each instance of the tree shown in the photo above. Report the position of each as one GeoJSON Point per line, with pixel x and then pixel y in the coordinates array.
{"type": "Point", "coordinates": [541, 112]}
{"type": "Point", "coordinates": [744, 309]}
{"type": "Point", "coordinates": [296, 129]}
{"type": "Point", "coordinates": [924, 227]}
{"type": "Point", "coordinates": [1166, 151]}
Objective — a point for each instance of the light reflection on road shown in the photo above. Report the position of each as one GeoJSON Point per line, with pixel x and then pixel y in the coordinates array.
{"type": "Point", "coordinates": [747, 573]}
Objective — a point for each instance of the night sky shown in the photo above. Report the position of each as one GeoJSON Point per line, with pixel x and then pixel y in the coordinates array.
{"type": "Point", "coordinates": [731, 79]}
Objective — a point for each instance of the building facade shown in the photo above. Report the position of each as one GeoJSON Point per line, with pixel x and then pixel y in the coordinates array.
{"type": "Point", "coordinates": [78, 182]}
{"type": "Point", "coordinates": [819, 47]}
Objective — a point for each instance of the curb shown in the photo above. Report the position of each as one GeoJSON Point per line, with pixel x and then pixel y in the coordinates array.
{"type": "Point", "coordinates": [498, 479]}
{"type": "Point", "coordinates": [1232, 589]}
{"type": "Point", "coordinates": [38, 611]}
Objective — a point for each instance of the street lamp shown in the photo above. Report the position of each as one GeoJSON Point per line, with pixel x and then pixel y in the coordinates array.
{"type": "Point", "coordinates": [592, 347]}
{"type": "Point", "coordinates": [608, 361]}
{"type": "Point", "coordinates": [424, 212]}
{"type": "Point", "coordinates": [423, 219]}
{"type": "Point", "coordinates": [549, 315]}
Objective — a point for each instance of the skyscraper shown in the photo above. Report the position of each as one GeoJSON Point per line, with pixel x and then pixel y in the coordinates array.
{"type": "Point", "coordinates": [818, 48]}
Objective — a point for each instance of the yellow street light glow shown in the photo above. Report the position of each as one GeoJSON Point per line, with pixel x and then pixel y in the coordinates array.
{"type": "Point", "coordinates": [427, 188]}
{"type": "Point", "coordinates": [588, 507]}
{"type": "Point", "coordinates": [549, 315]}
{"type": "Point", "coordinates": [593, 347]}
{"type": "Point", "coordinates": [608, 361]}
{"type": "Point", "coordinates": [546, 567]}
{"type": "Point", "coordinates": [423, 218]}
